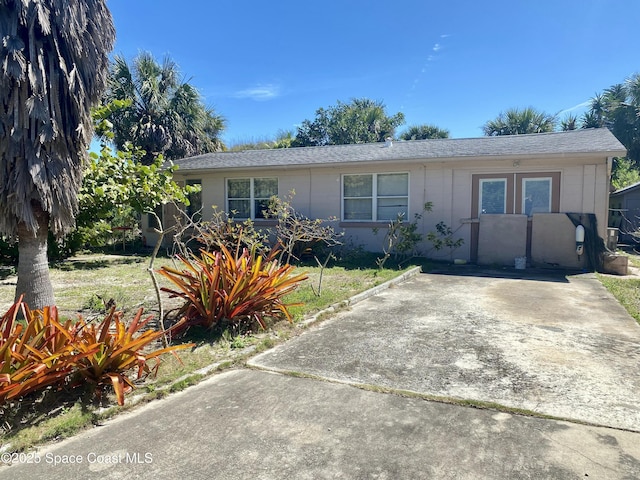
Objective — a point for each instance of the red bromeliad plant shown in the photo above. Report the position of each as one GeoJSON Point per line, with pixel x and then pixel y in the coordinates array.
{"type": "Point", "coordinates": [35, 352]}
{"type": "Point", "coordinates": [220, 287]}
{"type": "Point", "coordinates": [111, 349]}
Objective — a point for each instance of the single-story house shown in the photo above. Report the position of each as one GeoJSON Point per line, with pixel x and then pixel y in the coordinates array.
{"type": "Point", "coordinates": [505, 196]}
{"type": "Point", "coordinates": [624, 213]}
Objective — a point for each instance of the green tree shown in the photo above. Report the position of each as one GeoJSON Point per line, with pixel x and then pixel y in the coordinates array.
{"type": "Point", "coordinates": [594, 118]}
{"type": "Point", "coordinates": [359, 121]}
{"type": "Point", "coordinates": [117, 187]}
{"type": "Point", "coordinates": [618, 109]}
{"type": "Point", "coordinates": [53, 68]}
{"type": "Point", "coordinates": [516, 122]}
{"type": "Point", "coordinates": [624, 173]}
{"type": "Point", "coordinates": [283, 139]}
{"type": "Point", "coordinates": [591, 120]}
{"type": "Point", "coordinates": [164, 116]}
{"type": "Point", "coordinates": [570, 122]}
{"type": "Point", "coordinates": [424, 132]}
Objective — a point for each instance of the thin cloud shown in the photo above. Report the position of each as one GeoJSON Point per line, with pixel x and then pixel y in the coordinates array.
{"type": "Point", "coordinates": [259, 93]}
{"type": "Point", "coordinates": [579, 106]}
{"type": "Point", "coordinates": [430, 58]}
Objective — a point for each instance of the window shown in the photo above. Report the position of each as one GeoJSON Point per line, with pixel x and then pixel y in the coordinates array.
{"type": "Point", "coordinates": [493, 197]}
{"type": "Point", "coordinates": [194, 209]}
{"type": "Point", "coordinates": [249, 197]}
{"type": "Point", "coordinates": [536, 197]}
{"type": "Point", "coordinates": [516, 193]}
{"type": "Point", "coordinates": [375, 197]}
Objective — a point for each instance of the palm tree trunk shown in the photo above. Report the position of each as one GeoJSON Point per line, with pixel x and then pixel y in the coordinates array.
{"type": "Point", "coordinates": [33, 264]}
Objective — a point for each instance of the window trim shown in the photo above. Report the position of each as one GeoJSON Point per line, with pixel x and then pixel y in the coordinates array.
{"type": "Point", "coordinates": [555, 177]}
{"type": "Point", "coordinates": [523, 181]}
{"type": "Point", "coordinates": [506, 191]}
{"type": "Point", "coordinates": [374, 196]}
{"type": "Point", "coordinates": [252, 199]}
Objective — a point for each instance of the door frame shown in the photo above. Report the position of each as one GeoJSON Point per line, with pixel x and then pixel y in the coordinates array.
{"type": "Point", "coordinates": [514, 193]}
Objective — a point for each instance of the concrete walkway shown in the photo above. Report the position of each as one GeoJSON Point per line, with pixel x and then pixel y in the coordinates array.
{"type": "Point", "coordinates": [353, 397]}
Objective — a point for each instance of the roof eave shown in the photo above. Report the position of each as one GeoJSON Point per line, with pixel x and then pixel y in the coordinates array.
{"type": "Point", "coordinates": [422, 160]}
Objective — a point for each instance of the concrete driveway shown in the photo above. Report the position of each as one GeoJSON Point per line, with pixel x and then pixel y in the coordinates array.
{"type": "Point", "coordinates": [549, 344]}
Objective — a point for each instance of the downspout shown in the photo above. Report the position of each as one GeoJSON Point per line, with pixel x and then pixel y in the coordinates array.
{"type": "Point", "coordinates": [608, 191]}
{"type": "Point", "coordinates": [424, 201]}
{"type": "Point", "coordinates": [309, 196]}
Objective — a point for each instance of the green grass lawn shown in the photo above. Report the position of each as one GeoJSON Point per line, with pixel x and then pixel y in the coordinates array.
{"type": "Point", "coordinates": [85, 283]}
{"type": "Point", "coordinates": [626, 289]}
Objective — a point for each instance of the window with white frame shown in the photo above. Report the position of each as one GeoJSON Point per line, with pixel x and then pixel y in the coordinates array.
{"type": "Point", "coordinates": [536, 195]}
{"type": "Point", "coordinates": [249, 197]}
{"type": "Point", "coordinates": [375, 197]}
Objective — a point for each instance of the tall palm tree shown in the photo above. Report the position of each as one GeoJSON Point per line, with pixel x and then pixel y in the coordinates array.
{"type": "Point", "coordinates": [598, 109]}
{"type": "Point", "coordinates": [515, 122]}
{"type": "Point", "coordinates": [53, 65]}
{"type": "Point", "coordinates": [165, 115]}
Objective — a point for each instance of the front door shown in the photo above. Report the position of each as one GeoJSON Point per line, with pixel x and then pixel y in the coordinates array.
{"type": "Point", "coordinates": [512, 193]}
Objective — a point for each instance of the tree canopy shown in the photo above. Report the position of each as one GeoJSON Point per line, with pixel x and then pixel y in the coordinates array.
{"type": "Point", "coordinates": [117, 187]}
{"type": "Point", "coordinates": [516, 121]}
{"type": "Point", "coordinates": [569, 122]}
{"type": "Point", "coordinates": [359, 121]}
{"type": "Point", "coordinates": [618, 109]}
{"type": "Point", "coordinates": [164, 116]}
{"type": "Point", "coordinates": [424, 132]}
{"type": "Point", "coordinates": [282, 139]}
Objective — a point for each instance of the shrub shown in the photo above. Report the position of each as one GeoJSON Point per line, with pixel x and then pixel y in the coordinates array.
{"type": "Point", "coordinates": [110, 350]}
{"type": "Point", "coordinates": [403, 238]}
{"type": "Point", "coordinates": [222, 230]}
{"type": "Point", "coordinates": [35, 352]}
{"type": "Point", "coordinates": [297, 234]}
{"type": "Point", "coordinates": [220, 287]}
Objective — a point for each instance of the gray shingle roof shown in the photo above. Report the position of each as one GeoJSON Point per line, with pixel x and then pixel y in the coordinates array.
{"type": "Point", "coordinates": [598, 140]}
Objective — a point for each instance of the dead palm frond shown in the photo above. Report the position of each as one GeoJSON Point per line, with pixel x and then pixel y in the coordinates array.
{"type": "Point", "coordinates": [53, 65]}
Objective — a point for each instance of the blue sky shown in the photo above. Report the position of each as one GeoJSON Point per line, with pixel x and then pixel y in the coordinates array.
{"type": "Point", "coordinates": [267, 66]}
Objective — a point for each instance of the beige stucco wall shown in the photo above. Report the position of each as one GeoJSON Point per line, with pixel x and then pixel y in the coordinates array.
{"type": "Point", "coordinates": [445, 183]}
{"type": "Point", "coordinates": [553, 242]}
{"type": "Point", "coordinates": [585, 189]}
{"type": "Point", "coordinates": [502, 238]}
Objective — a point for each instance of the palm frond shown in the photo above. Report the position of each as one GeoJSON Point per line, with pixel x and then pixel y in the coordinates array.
{"type": "Point", "coordinates": [52, 70]}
